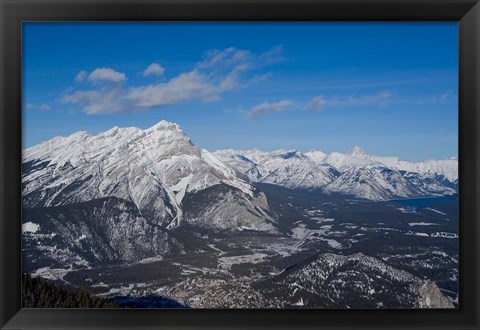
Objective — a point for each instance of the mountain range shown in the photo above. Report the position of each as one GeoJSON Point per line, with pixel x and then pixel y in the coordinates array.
{"type": "Point", "coordinates": [355, 173]}
{"type": "Point", "coordinates": [127, 193]}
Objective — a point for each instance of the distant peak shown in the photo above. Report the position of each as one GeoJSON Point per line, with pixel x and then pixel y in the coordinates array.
{"type": "Point", "coordinates": [163, 124]}
{"type": "Point", "coordinates": [78, 134]}
{"type": "Point", "coordinates": [112, 130]}
{"type": "Point", "coordinates": [318, 152]}
{"type": "Point", "coordinates": [356, 151]}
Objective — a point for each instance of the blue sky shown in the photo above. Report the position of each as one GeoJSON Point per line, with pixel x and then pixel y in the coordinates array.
{"type": "Point", "coordinates": [390, 88]}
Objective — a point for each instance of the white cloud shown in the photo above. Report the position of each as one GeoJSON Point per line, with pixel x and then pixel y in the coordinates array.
{"type": "Point", "coordinates": [154, 69]}
{"type": "Point", "coordinates": [227, 58]}
{"type": "Point", "coordinates": [316, 103]}
{"type": "Point", "coordinates": [233, 80]}
{"type": "Point", "coordinates": [259, 78]}
{"type": "Point", "coordinates": [234, 68]}
{"type": "Point", "coordinates": [378, 99]}
{"type": "Point", "coordinates": [218, 72]}
{"type": "Point", "coordinates": [81, 76]}
{"type": "Point", "coordinates": [448, 95]}
{"type": "Point", "coordinates": [104, 101]}
{"type": "Point", "coordinates": [273, 55]}
{"type": "Point", "coordinates": [268, 108]}
{"type": "Point", "coordinates": [106, 74]}
{"type": "Point", "coordinates": [190, 86]}
{"type": "Point", "coordinates": [44, 107]}
{"type": "Point", "coordinates": [445, 96]}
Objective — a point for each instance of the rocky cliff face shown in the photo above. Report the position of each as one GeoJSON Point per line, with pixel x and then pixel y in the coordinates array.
{"type": "Point", "coordinates": [123, 190]}
{"type": "Point", "coordinates": [359, 281]}
{"type": "Point", "coordinates": [89, 233]}
{"type": "Point", "coordinates": [431, 297]}
{"type": "Point", "coordinates": [354, 173]}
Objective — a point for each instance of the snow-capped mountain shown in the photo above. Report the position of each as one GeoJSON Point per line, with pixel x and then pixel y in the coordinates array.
{"type": "Point", "coordinates": [141, 209]}
{"type": "Point", "coordinates": [354, 173]}
{"type": "Point", "coordinates": [148, 183]}
{"type": "Point", "coordinates": [288, 168]}
{"type": "Point", "coordinates": [446, 167]}
{"type": "Point", "coordinates": [154, 169]}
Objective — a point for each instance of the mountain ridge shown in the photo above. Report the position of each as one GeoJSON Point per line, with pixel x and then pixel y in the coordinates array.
{"type": "Point", "coordinates": [355, 173]}
{"type": "Point", "coordinates": [129, 197]}
{"type": "Point", "coordinates": [154, 168]}
{"type": "Point", "coordinates": [347, 173]}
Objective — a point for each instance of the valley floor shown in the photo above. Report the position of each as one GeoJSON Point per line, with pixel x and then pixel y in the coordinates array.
{"type": "Point", "coordinates": [331, 253]}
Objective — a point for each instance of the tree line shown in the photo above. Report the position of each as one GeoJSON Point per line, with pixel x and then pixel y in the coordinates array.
{"type": "Point", "coordinates": [37, 293]}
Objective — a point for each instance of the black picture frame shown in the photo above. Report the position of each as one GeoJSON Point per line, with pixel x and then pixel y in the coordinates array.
{"type": "Point", "coordinates": [14, 12]}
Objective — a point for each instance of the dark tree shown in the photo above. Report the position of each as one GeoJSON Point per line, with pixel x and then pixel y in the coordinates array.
{"type": "Point", "coordinates": [38, 293]}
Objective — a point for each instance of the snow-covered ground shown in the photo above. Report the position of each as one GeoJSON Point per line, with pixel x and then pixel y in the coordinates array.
{"type": "Point", "coordinates": [407, 210]}
{"type": "Point", "coordinates": [227, 262]}
{"type": "Point", "coordinates": [30, 227]}
{"type": "Point", "coordinates": [51, 273]}
{"type": "Point", "coordinates": [433, 210]}
{"type": "Point", "coordinates": [411, 224]}
{"type": "Point", "coordinates": [304, 235]}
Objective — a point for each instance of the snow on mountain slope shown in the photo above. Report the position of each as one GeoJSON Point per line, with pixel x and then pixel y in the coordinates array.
{"type": "Point", "coordinates": [354, 173]}
{"type": "Point", "coordinates": [317, 156]}
{"type": "Point", "coordinates": [227, 211]}
{"type": "Point", "coordinates": [370, 182]}
{"type": "Point", "coordinates": [382, 183]}
{"type": "Point", "coordinates": [342, 161]}
{"type": "Point", "coordinates": [291, 169]}
{"type": "Point", "coordinates": [153, 168]}
{"type": "Point", "coordinates": [446, 167]}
